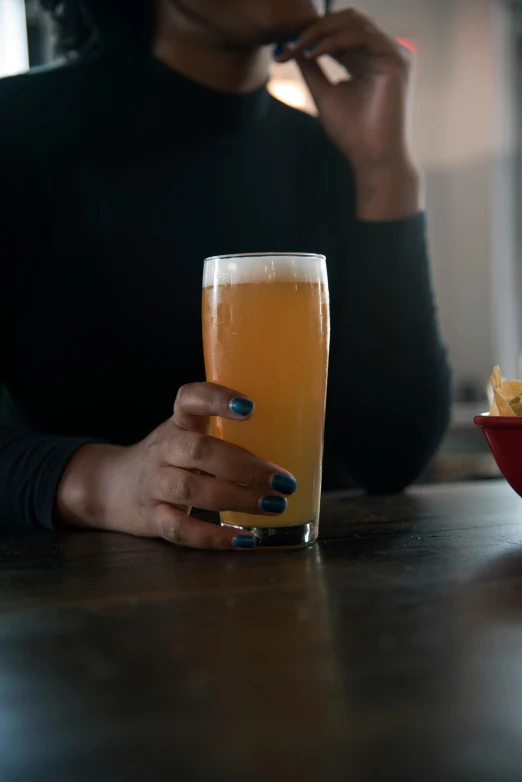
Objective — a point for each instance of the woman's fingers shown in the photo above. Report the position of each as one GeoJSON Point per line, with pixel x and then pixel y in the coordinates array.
{"type": "Point", "coordinates": [347, 29]}
{"type": "Point", "coordinates": [328, 25]}
{"type": "Point", "coordinates": [180, 487]}
{"type": "Point", "coordinates": [197, 451]}
{"type": "Point", "coordinates": [197, 401]}
{"type": "Point", "coordinates": [244, 483]}
{"type": "Point", "coordinates": [315, 78]}
{"type": "Point", "coordinates": [339, 41]}
{"type": "Point", "coordinates": [175, 527]}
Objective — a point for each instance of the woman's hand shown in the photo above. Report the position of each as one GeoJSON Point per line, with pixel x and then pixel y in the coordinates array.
{"type": "Point", "coordinates": [367, 117]}
{"type": "Point", "coordinates": [148, 489]}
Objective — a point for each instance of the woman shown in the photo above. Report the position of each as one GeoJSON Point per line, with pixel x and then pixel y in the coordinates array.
{"type": "Point", "coordinates": [158, 145]}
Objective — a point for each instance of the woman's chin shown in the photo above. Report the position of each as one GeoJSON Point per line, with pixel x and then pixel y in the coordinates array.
{"type": "Point", "coordinates": [288, 19]}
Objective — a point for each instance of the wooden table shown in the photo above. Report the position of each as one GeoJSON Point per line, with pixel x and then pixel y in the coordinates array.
{"type": "Point", "coordinates": [390, 651]}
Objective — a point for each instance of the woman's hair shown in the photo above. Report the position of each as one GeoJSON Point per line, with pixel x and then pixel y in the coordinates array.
{"type": "Point", "coordinates": [91, 27]}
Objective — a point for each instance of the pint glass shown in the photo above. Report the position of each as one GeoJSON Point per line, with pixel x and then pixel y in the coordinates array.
{"type": "Point", "coordinates": [266, 334]}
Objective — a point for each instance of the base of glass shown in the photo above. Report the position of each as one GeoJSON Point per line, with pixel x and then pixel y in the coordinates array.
{"type": "Point", "coordinates": [300, 536]}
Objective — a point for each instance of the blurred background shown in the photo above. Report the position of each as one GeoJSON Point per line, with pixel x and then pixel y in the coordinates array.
{"type": "Point", "coordinates": [468, 136]}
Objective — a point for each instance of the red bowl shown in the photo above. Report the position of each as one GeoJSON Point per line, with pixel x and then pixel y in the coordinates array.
{"type": "Point", "coordinates": [504, 436]}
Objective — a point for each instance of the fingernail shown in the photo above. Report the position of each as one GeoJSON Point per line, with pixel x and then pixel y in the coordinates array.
{"type": "Point", "coordinates": [284, 484]}
{"type": "Point", "coordinates": [278, 51]}
{"type": "Point", "coordinates": [273, 504]}
{"type": "Point", "coordinates": [242, 407]}
{"type": "Point", "coordinates": [310, 49]}
{"type": "Point", "coordinates": [244, 541]}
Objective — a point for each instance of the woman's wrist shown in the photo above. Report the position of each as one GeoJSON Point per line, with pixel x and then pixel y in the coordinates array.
{"type": "Point", "coordinates": [393, 191]}
{"type": "Point", "coordinates": [82, 499]}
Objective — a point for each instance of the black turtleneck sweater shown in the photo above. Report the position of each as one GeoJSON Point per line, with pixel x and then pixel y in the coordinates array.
{"type": "Point", "coordinates": [116, 181]}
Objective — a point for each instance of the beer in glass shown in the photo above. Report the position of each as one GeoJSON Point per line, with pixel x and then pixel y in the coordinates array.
{"type": "Point", "coordinates": [266, 330]}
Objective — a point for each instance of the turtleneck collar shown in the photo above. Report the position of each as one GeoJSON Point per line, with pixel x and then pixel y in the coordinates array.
{"type": "Point", "coordinates": [201, 110]}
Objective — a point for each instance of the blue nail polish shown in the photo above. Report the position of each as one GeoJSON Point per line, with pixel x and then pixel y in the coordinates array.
{"type": "Point", "coordinates": [244, 541]}
{"type": "Point", "coordinates": [284, 484]}
{"type": "Point", "coordinates": [242, 407]}
{"type": "Point", "coordinates": [311, 49]}
{"type": "Point", "coordinates": [278, 51]}
{"type": "Point", "coordinates": [273, 504]}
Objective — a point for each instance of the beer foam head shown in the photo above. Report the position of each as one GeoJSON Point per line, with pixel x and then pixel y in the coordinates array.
{"type": "Point", "coordinates": [270, 267]}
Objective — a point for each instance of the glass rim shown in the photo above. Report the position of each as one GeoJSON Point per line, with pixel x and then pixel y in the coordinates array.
{"type": "Point", "coordinates": [242, 256]}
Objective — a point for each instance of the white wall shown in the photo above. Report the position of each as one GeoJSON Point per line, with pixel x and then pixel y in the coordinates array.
{"type": "Point", "coordinates": [464, 136]}
{"type": "Point", "coordinates": [14, 56]}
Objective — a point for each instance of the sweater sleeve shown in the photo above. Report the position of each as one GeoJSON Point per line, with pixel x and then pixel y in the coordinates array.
{"type": "Point", "coordinates": [31, 464]}
{"type": "Point", "coordinates": [31, 467]}
{"type": "Point", "coordinates": [389, 392]}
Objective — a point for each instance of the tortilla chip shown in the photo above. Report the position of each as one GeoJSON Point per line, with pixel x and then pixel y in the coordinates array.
{"type": "Point", "coordinates": [511, 389]}
{"type": "Point", "coordinates": [502, 405]}
{"type": "Point", "coordinates": [516, 405]}
{"type": "Point", "coordinates": [496, 379]}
